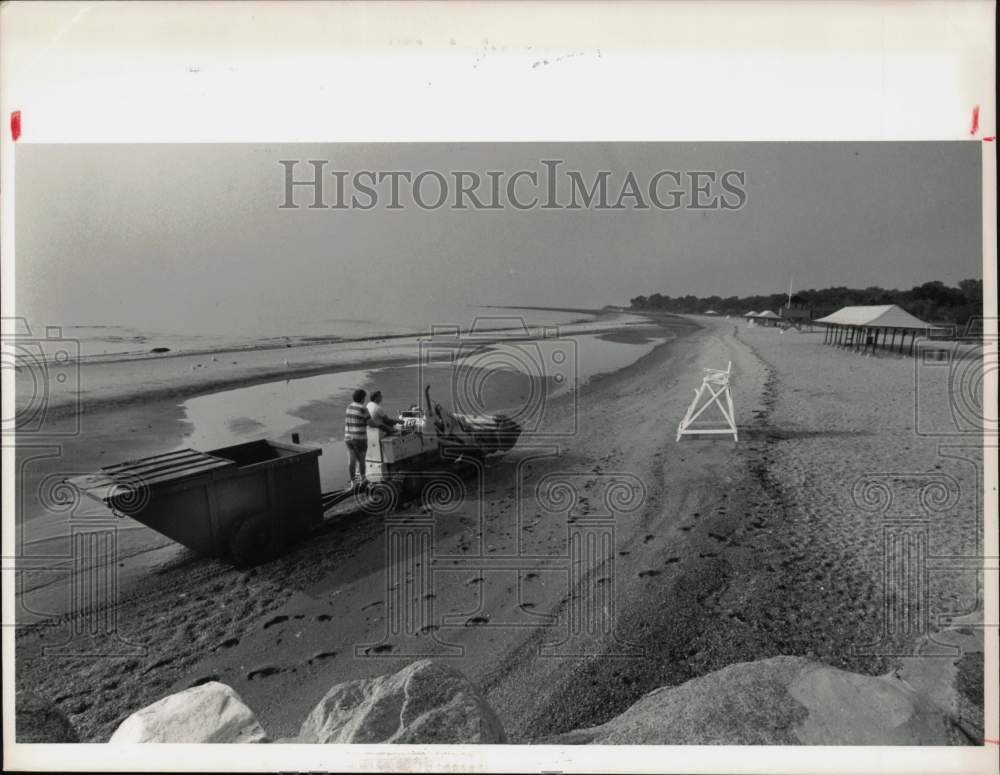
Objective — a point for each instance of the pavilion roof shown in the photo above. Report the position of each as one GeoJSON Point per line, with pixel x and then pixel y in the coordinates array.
{"type": "Point", "coordinates": [875, 316]}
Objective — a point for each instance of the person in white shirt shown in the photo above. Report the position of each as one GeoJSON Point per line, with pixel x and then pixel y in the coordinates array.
{"type": "Point", "coordinates": [379, 417]}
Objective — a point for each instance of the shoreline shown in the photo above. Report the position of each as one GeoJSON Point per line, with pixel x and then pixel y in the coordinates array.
{"type": "Point", "coordinates": [320, 360]}
{"type": "Point", "coordinates": [147, 422]}
{"type": "Point", "coordinates": [317, 340]}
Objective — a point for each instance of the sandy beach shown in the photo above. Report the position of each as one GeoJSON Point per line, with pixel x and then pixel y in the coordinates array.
{"type": "Point", "coordinates": [724, 552]}
{"type": "Point", "coordinates": [127, 408]}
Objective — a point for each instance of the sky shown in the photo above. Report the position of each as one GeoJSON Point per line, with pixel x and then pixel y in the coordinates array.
{"type": "Point", "coordinates": [191, 238]}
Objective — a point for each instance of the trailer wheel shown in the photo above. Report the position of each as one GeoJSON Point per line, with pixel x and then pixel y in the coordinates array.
{"type": "Point", "coordinates": [254, 541]}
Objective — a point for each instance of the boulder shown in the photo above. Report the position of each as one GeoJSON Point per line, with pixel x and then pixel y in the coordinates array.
{"type": "Point", "coordinates": [38, 720]}
{"type": "Point", "coordinates": [209, 713]}
{"type": "Point", "coordinates": [776, 701]}
{"type": "Point", "coordinates": [425, 702]}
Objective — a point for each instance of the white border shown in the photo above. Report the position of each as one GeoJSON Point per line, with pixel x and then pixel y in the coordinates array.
{"type": "Point", "coordinates": [688, 71]}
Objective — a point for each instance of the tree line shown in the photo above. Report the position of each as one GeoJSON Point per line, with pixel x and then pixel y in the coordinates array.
{"type": "Point", "coordinates": [934, 301]}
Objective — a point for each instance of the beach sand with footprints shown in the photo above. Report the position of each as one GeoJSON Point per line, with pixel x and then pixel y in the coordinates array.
{"type": "Point", "coordinates": [719, 552]}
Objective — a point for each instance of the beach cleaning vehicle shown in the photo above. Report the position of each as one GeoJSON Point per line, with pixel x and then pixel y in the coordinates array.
{"type": "Point", "coordinates": [248, 502]}
{"type": "Point", "coordinates": [429, 440]}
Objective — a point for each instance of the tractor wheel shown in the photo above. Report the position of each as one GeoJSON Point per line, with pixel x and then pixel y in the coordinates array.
{"type": "Point", "coordinates": [254, 541]}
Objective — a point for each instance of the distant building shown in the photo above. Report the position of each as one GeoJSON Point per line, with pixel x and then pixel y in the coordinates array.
{"type": "Point", "coordinates": [767, 318]}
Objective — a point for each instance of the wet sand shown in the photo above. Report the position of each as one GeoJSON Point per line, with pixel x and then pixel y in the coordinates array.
{"type": "Point", "coordinates": [167, 407]}
{"type": "Point", "coordinates": [731, 551]}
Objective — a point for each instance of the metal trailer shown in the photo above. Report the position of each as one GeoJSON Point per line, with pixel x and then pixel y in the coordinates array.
{"type": "Point", "coordinates": [245, 502]}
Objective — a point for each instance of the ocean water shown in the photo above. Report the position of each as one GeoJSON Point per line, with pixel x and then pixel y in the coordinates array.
{"type": "Point", "coordinates": [111, 341]}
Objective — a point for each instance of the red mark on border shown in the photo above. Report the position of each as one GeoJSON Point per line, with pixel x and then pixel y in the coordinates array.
{"type": "Point", "coordinates": [991, 740]}
{"type": "Point", "coordinates": [15, 125]}
{"type": "Point", "coordinates": [975, 120]}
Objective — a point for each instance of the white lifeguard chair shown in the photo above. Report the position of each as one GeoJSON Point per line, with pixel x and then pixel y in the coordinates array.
{"type": "Point", "coordinates": [715, 391]}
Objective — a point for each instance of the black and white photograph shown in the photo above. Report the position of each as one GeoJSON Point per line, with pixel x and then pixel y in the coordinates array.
{"type": "Point", "coordinates": [456, 381]}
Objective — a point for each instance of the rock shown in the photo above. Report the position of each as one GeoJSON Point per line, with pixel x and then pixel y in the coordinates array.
{"type": "Point", "coordinates": [40, 721]}
{"type": "Point", "coordinates": [425, 702]}
{"type": "Point", "coordinates": [776, 701]}
{"type": "Point", "coordinates": [209, 713]}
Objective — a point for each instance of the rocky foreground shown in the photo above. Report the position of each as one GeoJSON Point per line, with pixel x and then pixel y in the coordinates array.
{"type": "Point", "coordinates": [778, 701]}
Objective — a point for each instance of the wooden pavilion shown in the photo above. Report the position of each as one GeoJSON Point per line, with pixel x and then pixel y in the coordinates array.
{"type": "Point", "coordinates": [865, 329]}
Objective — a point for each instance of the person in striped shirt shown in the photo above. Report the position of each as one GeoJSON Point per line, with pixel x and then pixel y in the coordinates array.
{"type": "Point", "coordinates": [356, 436]}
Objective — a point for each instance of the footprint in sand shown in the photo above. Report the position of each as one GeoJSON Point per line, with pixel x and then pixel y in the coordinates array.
{"type": "Point", "coordinates": [372, 605]}
{"type": "Point", "coordinates": [623, 553]}
{"type": "Point", "coordinates": [382, 648]}
{"type": "Point", "coordinates": [228, 643]}
{"type": "Point", "coordinates": [427, 629]}
{"type": "Point", "coordinates": [263, 672]}
{"type": "Point", "coordinates": [81, 707]}
{"type": "Point", "coordinates": [323, 618]}
{"type": "Point", "coordinates": [274, 621]}
{"type": "Point", "coordinates": [672, 560]}
{"type": "Point", "coordinates": [160, 663]}
{"type": "Point", "coordinates": [648, 573]}
{"type": "Point", "coordinates": [476, 620]}
{"type": "Point", "coordinates": [648, 538]}
{"type": "Point", "coordinates": [476, 580]}
{"type": "Point", "coordinates": [708, 555]}
{"type": "Point", "coordinates": [319, 657]}
{"type": "Point", "coordinates": [530, 575]}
